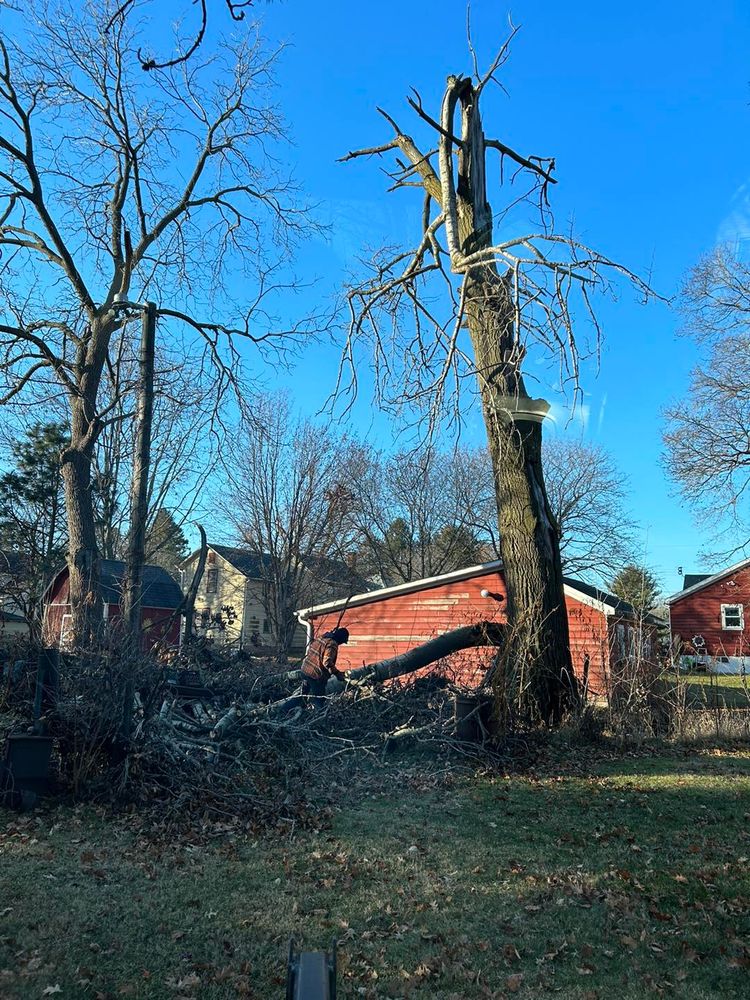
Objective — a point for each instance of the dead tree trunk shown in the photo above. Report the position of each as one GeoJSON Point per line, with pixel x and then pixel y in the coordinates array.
{"type": "Point", "coordinates": [502, 312]}
{"type": "Point", "coordinates": [480, 634]}
{"type": "Point", "coordinates": [538, 681]}
{"type": "Point", "coordinates": [133, 579]}
{"type": "Point", "coordinates": [467, 637]}
{"type": "Point", "coordinates": [83, 553]}
{"type": "Point", "coordinates": [188, 607]}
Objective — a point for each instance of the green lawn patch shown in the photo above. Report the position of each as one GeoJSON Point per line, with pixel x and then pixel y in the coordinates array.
{"type": "Point", "coordinates": [621, 879]}
{"type": "Point", "coordinates": [705, 691]}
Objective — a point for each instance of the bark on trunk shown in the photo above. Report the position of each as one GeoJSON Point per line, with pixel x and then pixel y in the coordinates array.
{"type": "Point", "coordinates": [188, 607]}
{"type": "Point", "coordinates": [133, 579]}
{"type": "Point", "coordinates": [85, 427]}
{"type": "Point", "coordinates": [538, 681]}
{"type": "Point", "coordinates": [83, 555]}
{"type": "Point", "coordinates": [467, 637]}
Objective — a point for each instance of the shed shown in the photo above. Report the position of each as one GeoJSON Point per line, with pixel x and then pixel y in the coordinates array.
{"type": "Point", "coordinates": [708, 620]}
{"type": "Point", "coordinates": [383, 623]}
{"type": "Point", "coordinates": [161, 598]}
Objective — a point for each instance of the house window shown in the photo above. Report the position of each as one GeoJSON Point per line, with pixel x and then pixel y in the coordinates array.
{"type": "Point", "coordinates": [266, 626]}
{"type": "Point", "coordinates": [733, 617]}
{"type": "Point", "coordinates": [212, 581]}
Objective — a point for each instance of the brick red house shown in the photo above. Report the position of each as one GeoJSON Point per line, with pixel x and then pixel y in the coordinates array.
{"type": "Point", "coordinates": [708, 619]}
{"type": "Point", "coordinates": [383, 623]}
{"type": "Point", "coordinates": [161, 597]}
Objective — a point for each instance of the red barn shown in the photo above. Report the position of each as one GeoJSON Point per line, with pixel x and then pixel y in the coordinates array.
{"type": "Point", "coordinates": [161, 597]}
{"type": "Point", "coordinates": [707, 619]}
{"type": "Point", "coordinates": [384, 623]}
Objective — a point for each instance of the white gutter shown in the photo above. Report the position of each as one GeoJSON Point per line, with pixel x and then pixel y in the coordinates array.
{"type": "Point", "coordinates": [402, 588]}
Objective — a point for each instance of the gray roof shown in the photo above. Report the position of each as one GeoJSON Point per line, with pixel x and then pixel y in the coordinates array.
{"type": "Point", "coordinates": [251, 564]}
{"type": "Point", "coordinates": [255, 565]}
{"type": "Point", "coordinates": [10, 616]}
{"type": "Point", "coordinates": [12, 562]}
{"type": "Point", "coordinates": [692, 578]}
{"type": "Point", "coordinates": [619, 607]}
{"type": "Point", "coordinates": [159, 589]}
{"type": "Point", "coordinates": [601, 597]}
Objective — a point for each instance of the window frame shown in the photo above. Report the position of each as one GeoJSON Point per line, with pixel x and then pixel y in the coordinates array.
{"type": "Point", "coordinates": [212, 580]}
{"type": "Point", "coordinates": [740, 613]}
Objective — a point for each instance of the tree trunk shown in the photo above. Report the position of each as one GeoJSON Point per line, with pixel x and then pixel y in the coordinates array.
{"type": "Point", "coordinates": [133, 578]}
{"type": "Point", "coordinates": [192, 591]}
{"type": "Point", "coordinates": [466, 637]}
{"type": "Point", "coordinates": [85, 427]}
{"type": "Point", "coordinates": [83, 555]}
{"type": "Point", "coordinates": [538, 681]}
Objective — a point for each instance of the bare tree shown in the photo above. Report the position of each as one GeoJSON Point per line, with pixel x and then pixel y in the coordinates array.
{"type": "Point", "coordinates": [290, 502]}
{"type": "Point", "coordinates": [512, 293]}
{"type": "Point", "coordinates": [587, 494]}
{"type": "Point", "coordinates": [236, 8]}
{"type": "Point", "coordinates": [416, 512]}
{"type": "Point", "coordinates": [707, 435]}
{"type": "Point", "coordinates": [185, 445]}
{"type": "Point", "coordinates": [115, 187]}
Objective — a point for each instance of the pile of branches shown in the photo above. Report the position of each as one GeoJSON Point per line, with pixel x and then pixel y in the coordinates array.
{"type": "Point", "coordinates": [229, 742]}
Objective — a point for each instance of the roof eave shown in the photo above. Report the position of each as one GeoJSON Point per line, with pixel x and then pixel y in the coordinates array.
{"type": "Point", "coordinates": [708, 581]}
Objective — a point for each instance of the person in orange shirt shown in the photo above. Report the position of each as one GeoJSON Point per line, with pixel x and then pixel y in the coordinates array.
{"type": "Point", "coordinates": [319, 664]}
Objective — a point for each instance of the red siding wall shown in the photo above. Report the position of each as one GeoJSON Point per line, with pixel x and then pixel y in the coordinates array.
{"type": "Point", "coordinates": [395, 624]}
{"type": "Point", "coordinates": [700, 614]}
{"type": "Point", "coordinates": [153, 620]}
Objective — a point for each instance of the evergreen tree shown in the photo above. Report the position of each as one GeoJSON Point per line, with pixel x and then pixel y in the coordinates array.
{"type": "Point", "coordinates": [166, 544]}
{"type": "Point", "coordinates": [32, 518]}
{"type": "Point", "coordinates": [637, 585]}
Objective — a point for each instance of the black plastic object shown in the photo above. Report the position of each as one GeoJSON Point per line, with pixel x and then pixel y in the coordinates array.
{"type": "Point", "coordinates": [311, 975]}
{"type": "Point", "coordinates": [24, 770]}
{"type": "Point", "coordinates": [473, 717]}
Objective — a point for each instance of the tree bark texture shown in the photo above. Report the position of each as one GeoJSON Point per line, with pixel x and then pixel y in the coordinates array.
{"type": "Point", "coordinates": [83, 555]}
{"type": "Point", "coordinates": [188, 604]}
{"type": "Point", "coordinates": [133, 578]}
{"type": "Point", "coordinates": [466, 637]}
{"type": "Point", "coordinates": [538, 682]}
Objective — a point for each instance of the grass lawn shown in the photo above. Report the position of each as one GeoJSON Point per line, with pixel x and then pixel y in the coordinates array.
{"type": "Point", "coordinates": [713, 690]}
{"type": "Point", "coordinates": [619, 879]}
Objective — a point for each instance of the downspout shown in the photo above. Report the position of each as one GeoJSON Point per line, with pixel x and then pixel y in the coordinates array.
{"type": "Point", "coordinates": [303, 620]}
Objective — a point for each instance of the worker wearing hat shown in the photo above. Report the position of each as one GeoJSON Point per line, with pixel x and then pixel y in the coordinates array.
{"type": "Point", "coordinates": [319, 663]}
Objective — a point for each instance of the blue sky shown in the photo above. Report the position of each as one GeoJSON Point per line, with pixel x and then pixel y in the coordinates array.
{"type": "Point", "coordinates": [646, 109]}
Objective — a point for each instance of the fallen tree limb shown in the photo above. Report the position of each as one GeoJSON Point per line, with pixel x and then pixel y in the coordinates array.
{"type": "Point", "coordinates": [466, 637]}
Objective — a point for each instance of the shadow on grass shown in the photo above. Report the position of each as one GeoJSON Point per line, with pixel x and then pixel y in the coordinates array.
{"type": "Point", "coordinates": [630, 879]}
